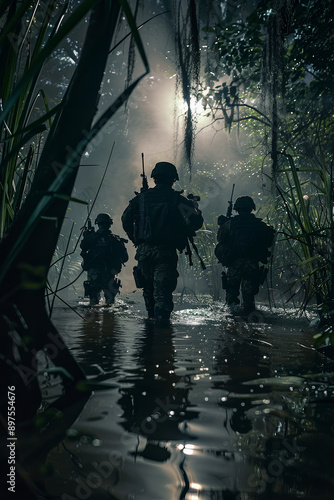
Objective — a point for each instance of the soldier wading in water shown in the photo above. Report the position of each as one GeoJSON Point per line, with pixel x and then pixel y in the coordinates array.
{"type": "Point", "coordinates": [159, 221]}
{"type": "Point", "coordinates": [103, 255]}
{"type": "Point", "coordinates": [243, 242]}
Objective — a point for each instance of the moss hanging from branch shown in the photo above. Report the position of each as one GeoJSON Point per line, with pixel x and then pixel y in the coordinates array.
{"type": "Point", "coordinates": [278, 26]}
{"type": "Point", "coordinates": [188, 65]}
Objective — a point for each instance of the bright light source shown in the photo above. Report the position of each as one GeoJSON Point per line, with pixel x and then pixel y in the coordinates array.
{"type": "Point", "coordinates": [195, 106]}
{"type": "Point", "coordinates": [195, 486]}
{"type": "Point", "coordinates": [188, 449]}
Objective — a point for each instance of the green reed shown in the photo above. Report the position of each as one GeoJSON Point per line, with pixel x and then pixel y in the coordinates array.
{"type": "Point", "coordinates": [305, 195]}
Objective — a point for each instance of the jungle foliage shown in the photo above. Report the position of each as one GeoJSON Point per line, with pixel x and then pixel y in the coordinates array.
{"type": "Point", "coordinates": [269, 72]}
{"type": "Point", "coordinates": [41, 143]}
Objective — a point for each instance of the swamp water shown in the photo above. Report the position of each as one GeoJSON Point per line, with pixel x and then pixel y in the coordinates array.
{"type": "Point", "coordinates": [211, 407]}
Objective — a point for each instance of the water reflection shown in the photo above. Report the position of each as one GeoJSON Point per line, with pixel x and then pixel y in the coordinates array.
{"type": "Point", "coordinates": [99, 338]}
{"type": "Point", "coordinates": [195, 410]}
{"type": "Point", "coordinates": [240, 358]}
{"type": "Point", "coordinates": [155, 403]}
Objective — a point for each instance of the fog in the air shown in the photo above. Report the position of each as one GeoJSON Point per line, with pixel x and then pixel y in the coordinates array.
{"type": "Point", "coordinates": [152, 123]}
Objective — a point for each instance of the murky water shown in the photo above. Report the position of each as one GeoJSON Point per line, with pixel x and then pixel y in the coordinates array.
{"type": "Point", "coordinates": [208, 408]}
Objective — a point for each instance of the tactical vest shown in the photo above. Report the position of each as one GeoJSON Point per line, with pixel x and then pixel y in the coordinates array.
{"type": "Point", "coordinates": [160, 220]}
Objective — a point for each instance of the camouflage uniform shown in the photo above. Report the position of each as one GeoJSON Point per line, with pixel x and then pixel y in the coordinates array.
{"type": "Point", "coordinates": [101, 279]}
{"type": "Point", "coordinates": [244, 272]}
{"type": "Point", "coordinates": [158, 222]}
{"type": "Point", "coordinates": [157, 265]}
{"type": "Point", "coordinates": [243, 242]}
{"type": "Point", "coordinates": [103, 255]}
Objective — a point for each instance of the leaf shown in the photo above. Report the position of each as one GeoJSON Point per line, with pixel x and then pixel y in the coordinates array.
{"type": "Point", "coordinates": [135, 34]}
{"type": "Point", "coordinates": [9, 27]}
{"type": "Point", "coordinates": [46, 107]}
{"type": "Point", "coordinates": [36, 124]}
{"type": "Point", "coordinates": [321, 189]}
{"type": "Point", "coordinates": [307, 261]}
{"type": "Point", "coordinates": [82, 9]}
{"type": "Point", "coordinates": [66, 170]}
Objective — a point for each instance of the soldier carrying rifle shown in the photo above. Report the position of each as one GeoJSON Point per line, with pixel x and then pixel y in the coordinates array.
{"type": "Point", "coordinates": [103, 255]}
{"type": "Point", "coordinates": [243, 242]}
{"type": "Point", "coordinates": [160, 221]}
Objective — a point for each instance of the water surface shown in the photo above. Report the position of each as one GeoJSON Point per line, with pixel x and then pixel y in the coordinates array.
{"type": "Point", "coordinates": [211, 407]}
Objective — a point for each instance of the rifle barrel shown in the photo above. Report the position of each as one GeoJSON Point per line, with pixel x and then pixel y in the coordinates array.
{"type": "Point", "coordinates": [232, 192]}
{"type": "Point", "coordinates": [230, 204]}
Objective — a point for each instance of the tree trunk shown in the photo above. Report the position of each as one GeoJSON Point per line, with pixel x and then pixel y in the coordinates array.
{"type": "Point", "coordinates": [27, 249]}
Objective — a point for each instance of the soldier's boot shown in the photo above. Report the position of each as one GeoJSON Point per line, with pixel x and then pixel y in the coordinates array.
{"type": "Point", "coordinates": [149, 303]}
{"type": "Point", "coordinates": [161, 316]}
{"type": "Point", "coordinates": [94, 299]}
{"type": "Point", "coordinates": [93, 294]}
{"type": "Point", "coordinates": [232, 296]}
{"type": "Point", "coordinates": [113, 289]}
{"type": "Point", "coordinates": [109, 298]}
{"type": "Point", "coordinates": [232, 303]}
{"type": "Point", "coordinates": [150, 314]}
{"type": "Point", "coordinates": [234, 308]}
{"type": "Point", "coordinates": [248, 307]}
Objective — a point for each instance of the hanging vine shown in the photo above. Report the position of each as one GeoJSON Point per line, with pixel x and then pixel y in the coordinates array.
{"type": "Point", "coordinates": [272, 85]}
{"type": "Point", "coordinates": [187, 48]}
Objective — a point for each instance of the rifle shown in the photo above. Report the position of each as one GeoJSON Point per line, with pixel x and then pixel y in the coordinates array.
{"type": "Point", "coordinates": [143, 175]}
{"type": "Point", "coordinates": [194, 198]}
{"type": "Point", "coordinates": [230, 205]}
{"type": "Point", "coordinates": [224, 218]}
{"type": "Point", "coordinates": [89, 228]}
{"type": "Point", "coordinates": [89, 224]}
{"type": "Point", "coordinates": [190, 239]}
{"type": "Point", "coordinates": [221, 220]}
{"type": "Point", "coordinates": [188, 252]}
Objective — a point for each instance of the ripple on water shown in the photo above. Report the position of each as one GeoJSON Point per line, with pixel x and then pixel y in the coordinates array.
{"type": "Point", "coordinates": [198, 409]}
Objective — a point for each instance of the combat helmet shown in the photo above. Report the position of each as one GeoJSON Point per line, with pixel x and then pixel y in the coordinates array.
{"type": "Point", "coordinates": [244, 204]}
{"type": "Point", "coordinates": [103, 219]}
{"type": "Point", "coordinates": [164, 169]}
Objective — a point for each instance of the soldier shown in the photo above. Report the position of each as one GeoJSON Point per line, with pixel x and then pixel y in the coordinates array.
{"type": "Point", "coordinates": [103, 255]}
{"type": "Point", "coordinates": [159, 221]}
{"type": "Point", "coordinates": [243, 242]}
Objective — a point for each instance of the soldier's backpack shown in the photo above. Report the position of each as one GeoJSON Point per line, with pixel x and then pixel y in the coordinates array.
{"type": "Point", "coordinates": [165, 222]}
{"type": "Point", "coordinates": [249, 237]}
{"type": "Point", "coordinates": [105, 251]}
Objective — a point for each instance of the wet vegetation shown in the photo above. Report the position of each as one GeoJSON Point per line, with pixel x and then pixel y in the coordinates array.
{"type": "Point", "coordinates": [41, 147]}
{"type": "Point", "coordinates": [268, 72]}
